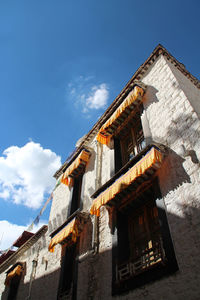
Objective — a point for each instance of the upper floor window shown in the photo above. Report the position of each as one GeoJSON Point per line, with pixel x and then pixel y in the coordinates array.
{"type": "Point", "coordinates": [132, 141]}
{"type": "Point", "coordinates": [76, 194]}
{"type": "Point", "coordinates": [121, 116]}
{"type": "Point", "coordinates": [73, 176]}
{"type": "Point", "coordinates": [124, 125]}
{"type": "Point", "coordinates": [129, 141]}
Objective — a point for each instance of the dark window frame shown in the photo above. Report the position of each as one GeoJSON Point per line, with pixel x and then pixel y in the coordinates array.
{"type": "Point", "coordinates": [167, 266]}
{"type": "Point", "coordinates": [14, 287]}
{"type": "Point", "coordinates": [68, 272]}
{"type": "Point", "coordinates": [134, 132]}
{"type": "Point", "coordinates": [76, 200]}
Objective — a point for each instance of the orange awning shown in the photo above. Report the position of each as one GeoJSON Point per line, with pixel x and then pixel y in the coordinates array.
{"type": "Point", "coordinates": [108, 129]}
{"type": "Point", "coordinates": [152, 159]}
{"type": "Point", "coordinates": [67, 235]}
{"type": "Point", "coordinates": [76, 167]}
{"type": "Point", "coordinates": [15, 272]}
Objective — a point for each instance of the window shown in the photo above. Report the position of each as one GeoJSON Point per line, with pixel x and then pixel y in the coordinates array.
{"type": "Point", "coordinates": [67, 273]}
{"type": "Point", "coordinates": [73, 175]}
{"type": "Point", "coordinates": [132, 142]}
{"type": "Point", "coordinates": [143, 241]}
{"type": "Point", "coordinates": [13, 278]}
{"type": "Point", "coordinates": [14, 286]}
{"type": "Point", "coordinates": [141, 254]}
{"type": "Point", "coordinates": [129, 141]}
{"type": "Point", "coordinates": [76, 194]}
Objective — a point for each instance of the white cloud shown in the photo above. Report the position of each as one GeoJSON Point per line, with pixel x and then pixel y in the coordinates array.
{"type": "Point", "coordinates": [98, 98]}
{"type": "Point", "coordinates": [26, 174]}
{"type": "Point", "coordinates": [9, 233]}
{"type": "Point", "coordinates": [86, 95]}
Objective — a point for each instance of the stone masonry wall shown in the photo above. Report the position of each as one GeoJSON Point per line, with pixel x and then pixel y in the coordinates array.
{"type": "Point", "coordinates": [59, 207]}
{"type": "Point", "coordinates": [172, 122]}
{"type": "Point", "coordinates": [45, 280]}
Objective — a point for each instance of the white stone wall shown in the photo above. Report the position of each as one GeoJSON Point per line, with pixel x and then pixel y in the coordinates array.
{"type": "Point", "coordinates": [89, 177]}
{"type": "Point", "coordinates": [192, 93]}
{"type": "Point", "coordinates": [60, 206]}
{"type": "Point", "coordinates": [45, 281]}
{"type": "Point", "coordinates": [172, 122]}
{"type": "Point", "coordinates": [107, 162]}
{"type": "Point", "coordinates": [2, 286]}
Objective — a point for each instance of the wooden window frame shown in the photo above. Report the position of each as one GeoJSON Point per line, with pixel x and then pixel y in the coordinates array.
{"type": "Point", "coordinates": [14, 287]}
{"type": "Point", "coordinates": [76, 201]}
{"type": "Point", "coordinates": [130, 130]}
{"type": "Point", "coordinates": [68, 272]}
{"type": "Point", "coordinates": [132, 276]}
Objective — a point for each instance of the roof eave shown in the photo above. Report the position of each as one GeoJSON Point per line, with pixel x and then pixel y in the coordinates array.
{"type": "Point", "coordinates": [12, 259]}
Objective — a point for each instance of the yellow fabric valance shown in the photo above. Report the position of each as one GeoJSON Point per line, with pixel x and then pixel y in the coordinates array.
{"type": "Point", "coordinates": [77, 166]}
{"type": "Point", "coordinates": [15, 272]}
{"type": "Point", "coordinates": [106, 131]}
{"type": "Point", "coordinates": [152, 159]}
{"type": "Point", "coordinates": [70, 232]}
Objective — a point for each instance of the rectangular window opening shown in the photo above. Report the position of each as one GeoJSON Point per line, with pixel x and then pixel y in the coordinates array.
{"type": "Point", "coordinates": [14, 286]}
{"type": "Point", "coordinates": [140, 254]}
{"type": "Point", "coordinates": [143, 241]}
{"type": "Point", "coordinates": [76, 194]}
{"type": "Point", "coordinates": [130, 141]}
{"type": "Point", "coordinates": [67, 270]}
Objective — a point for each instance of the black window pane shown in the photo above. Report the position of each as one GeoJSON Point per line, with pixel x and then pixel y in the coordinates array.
{"type": "Point", "coordinates": [67, 270]}
{"type": "Point", "coordinates": [76, 196]}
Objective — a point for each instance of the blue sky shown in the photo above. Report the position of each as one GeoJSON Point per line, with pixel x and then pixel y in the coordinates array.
{"type": "Point", "coordinates": [61, 64]}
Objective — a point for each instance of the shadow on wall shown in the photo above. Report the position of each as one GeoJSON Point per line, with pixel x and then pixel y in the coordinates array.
{"type": "Point", "coordinates": [184, 135]}
{"type": "Point", "coordinates": [185, 127]}
{"type": "Point", "coordinates": [185, 233]}
{"type": "Point", "coordinates": [42, 288]}
{"type": "Point", "coordinates": [95, 273]}
{"type": "Point", "coordinates": [150, 95]}
{"type": "Point", "coordinates": [90, 168]}
{"type": "Point", "coordinates": [172, 174]}
{"type": "Point", "coordinates": [91, 164]}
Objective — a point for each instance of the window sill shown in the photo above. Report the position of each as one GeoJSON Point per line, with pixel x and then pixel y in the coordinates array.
{"type": "Point", "coordinates": [155, 272]}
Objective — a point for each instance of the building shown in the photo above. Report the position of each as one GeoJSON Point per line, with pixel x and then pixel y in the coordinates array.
{"type": "Point", "coordinates": [124, 221]}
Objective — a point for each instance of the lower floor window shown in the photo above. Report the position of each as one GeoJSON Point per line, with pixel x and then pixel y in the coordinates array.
{"type": "Point", "coordinates": [14, 286]}
{"type": "Point", "coordinates": [140, 255]}
{"type": "Point", "coordinates": [144, 242]}
{"type": "Point", "coordinates": [67, 270]}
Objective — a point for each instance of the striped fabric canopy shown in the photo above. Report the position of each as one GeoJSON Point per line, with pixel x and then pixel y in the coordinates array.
{"type": "Point", "coordinates": [76, 167]}
{"type": "Point", "coordinates": [118, 117]}
{"type": "Point", "coordinates": [152, 159]}
{"type": "Point", "coordinates": [68, 234]}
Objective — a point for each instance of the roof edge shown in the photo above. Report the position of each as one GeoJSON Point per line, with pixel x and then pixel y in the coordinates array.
{"type": "Point", "coordinates": [11, 259]}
